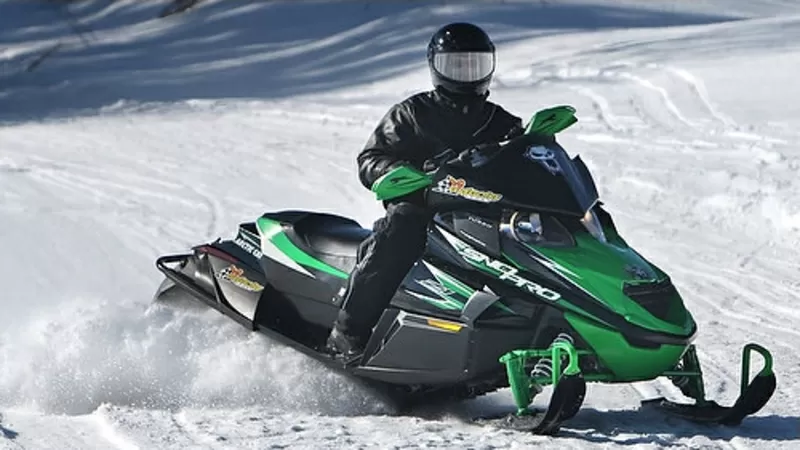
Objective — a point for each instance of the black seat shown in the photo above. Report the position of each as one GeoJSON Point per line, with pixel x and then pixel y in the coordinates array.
{"type": "Point", "coordinates": [330, 238]}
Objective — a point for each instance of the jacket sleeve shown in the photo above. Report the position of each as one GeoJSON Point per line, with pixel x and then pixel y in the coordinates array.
{"type": "Point", "coordinates": [515, 130]}
{"type": "Point", "coordinates": [389, 145]}
{"type": "Point", "coordinates": [511, 125]}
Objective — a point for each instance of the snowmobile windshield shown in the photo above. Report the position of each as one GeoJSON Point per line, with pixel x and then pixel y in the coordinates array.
{"type": "Point", "coordinates": [464, 66]}
{"type": "Point", "coordinates": [540, 177]}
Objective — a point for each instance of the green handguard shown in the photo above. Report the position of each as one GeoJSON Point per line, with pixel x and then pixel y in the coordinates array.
{"type": "Point", "coordinates": [551, 120]}
{"type": "Point", "coordinates": [400, 181]}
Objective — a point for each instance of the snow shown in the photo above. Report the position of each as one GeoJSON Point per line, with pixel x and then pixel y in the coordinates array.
{"type": "Point", "coordinates": [141, 136]}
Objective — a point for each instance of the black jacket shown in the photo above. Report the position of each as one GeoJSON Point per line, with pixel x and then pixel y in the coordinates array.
{"type": "Point", "coordinates": [428, 123]}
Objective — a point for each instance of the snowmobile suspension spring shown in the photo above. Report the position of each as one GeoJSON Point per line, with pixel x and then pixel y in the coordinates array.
{"type": "Point", "coordinates": [544, 367]}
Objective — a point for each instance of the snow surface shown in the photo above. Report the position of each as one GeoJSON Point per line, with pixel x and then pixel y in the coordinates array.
{"type": "Point", "coordinates": [142, 136]}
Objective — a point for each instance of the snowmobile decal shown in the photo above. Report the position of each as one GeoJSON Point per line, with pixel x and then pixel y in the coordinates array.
{"type": "Point", "coordinates": [235, 276]}
{"type": "Point", "coordinates": [449, 282]}
{"type": "Point", "coordinates": [453, 285]}
{"type": "Point", "coordinates": [444, 301]}
{"type": "Point", "coordinates": [457, 187]}
{"type": "Point", "coordinates": [550, 264]}
{"type": "Point", "coordinates": [248, 247]}
{"type": "Point", "coordinates": [499, 269]}
{"type": "Point", "coordinates": [545, 157]}
{"type": "Point", "coordinates": [565, 273]}
{"type": "Point", "coordinates": [276, 245]}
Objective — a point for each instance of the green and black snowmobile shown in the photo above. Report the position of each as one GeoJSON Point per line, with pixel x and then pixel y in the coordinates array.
{"type": "Point", "coordinates": [525, 283]}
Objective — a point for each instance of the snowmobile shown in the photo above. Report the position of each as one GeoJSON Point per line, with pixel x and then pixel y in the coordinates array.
{"type": "Point", "coordinates": [525, 283]}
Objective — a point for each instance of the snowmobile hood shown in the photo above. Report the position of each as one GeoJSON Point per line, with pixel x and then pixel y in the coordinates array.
{"type": "Point", "coordinates": [623, 281]}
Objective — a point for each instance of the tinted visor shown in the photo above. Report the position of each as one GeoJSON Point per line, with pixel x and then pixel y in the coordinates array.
{"type": "Point", "coordinates": [464, 66]}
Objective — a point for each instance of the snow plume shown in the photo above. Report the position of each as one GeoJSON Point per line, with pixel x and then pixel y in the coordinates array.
{"type": "Point", "coordinates": [87, 352]}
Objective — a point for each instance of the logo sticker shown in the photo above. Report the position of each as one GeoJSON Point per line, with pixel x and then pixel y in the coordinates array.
{"type": "Point", "coordinates": [457, 187]}
{"type": "Point", "coordinates": [235, 276]}
{"type": "Point", "coordinates": [545, 157]}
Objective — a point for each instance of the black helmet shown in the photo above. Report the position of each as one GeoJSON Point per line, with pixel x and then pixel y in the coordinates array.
{"type": "Point", "coordinates": [461, 59]}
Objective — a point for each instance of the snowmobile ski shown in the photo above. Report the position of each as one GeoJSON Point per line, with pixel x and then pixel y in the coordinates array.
{"type": "Point", "coordinates": [753, 394]}
{"type": "Point", "coordinates": [565, 401]}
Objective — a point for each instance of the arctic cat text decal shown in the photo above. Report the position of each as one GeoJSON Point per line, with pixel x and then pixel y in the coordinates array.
{"type": "Point", "coordinates": [502, 270]}
{"type": "Point", "coordinates": [248, 247]}
{"type": "Point", "coordinates": [235, 276]}
{"type": "Point", "coordinates": [458, 187]}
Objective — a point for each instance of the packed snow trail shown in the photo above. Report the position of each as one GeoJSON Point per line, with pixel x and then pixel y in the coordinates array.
{"type": "Point", "coordinates": [692, 143]}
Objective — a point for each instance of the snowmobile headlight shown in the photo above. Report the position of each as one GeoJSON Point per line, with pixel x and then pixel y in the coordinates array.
{"type": "Point", "coordinates": [593, 226]}
{"type": "Point", "coordinates": [534, 228]}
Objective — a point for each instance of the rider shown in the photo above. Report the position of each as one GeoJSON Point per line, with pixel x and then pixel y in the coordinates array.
{"type": "Point", "coordinates": [455, 115]}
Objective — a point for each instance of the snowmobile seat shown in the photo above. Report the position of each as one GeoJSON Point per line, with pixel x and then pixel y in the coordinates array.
{"type": "Point", "coordinates": [330, 238]}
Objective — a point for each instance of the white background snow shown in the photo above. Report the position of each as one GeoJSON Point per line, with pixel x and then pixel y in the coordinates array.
{"type": "Point", "coordinates": [142, 136]}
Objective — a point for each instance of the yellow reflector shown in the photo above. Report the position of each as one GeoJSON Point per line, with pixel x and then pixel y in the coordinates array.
{"type": "Point", "coordinates": [445, 325]}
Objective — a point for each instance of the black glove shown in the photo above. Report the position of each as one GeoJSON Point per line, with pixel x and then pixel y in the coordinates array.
{"type": "Point", "coordinates": [480, 154]}
{"type": "Point", "coordinates": [437, 160]}
{"type": "Point", "coordinates": [474, 156]}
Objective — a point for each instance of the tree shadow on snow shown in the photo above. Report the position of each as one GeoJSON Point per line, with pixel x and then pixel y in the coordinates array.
{"type": "Point", "coordinates": [121, 50]}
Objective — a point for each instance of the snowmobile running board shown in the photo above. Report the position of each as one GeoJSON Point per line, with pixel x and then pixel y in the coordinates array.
{"type": "Point", "coordinates": [570, 388]}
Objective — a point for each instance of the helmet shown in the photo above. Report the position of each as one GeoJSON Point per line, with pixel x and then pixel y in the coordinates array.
{"type": "Point", "coordinates": [461, 59]}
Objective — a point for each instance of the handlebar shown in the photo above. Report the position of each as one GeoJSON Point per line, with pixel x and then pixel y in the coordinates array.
{"type": "Point", "coordinates": [472, 157]}
{"type": "Point", "coordinates": [542, 127]}
{"type": "Point", "coordinates": [479, 155]}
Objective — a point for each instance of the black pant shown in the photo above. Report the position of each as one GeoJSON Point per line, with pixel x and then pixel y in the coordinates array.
{"type": "Point", "coordinates": [384, 259]}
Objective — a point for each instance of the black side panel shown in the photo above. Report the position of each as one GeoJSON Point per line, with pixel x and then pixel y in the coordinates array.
{"type": "Point", "coordinates": [411, 349]}
{"type": "Point", "coordinates": [313, 297]}
{"type": "Point", "coordinates": [300, 320]}
{"type": "Point", "coordinates": [406, 350]}
{"type": "Point", "coordinates": [413, 345]}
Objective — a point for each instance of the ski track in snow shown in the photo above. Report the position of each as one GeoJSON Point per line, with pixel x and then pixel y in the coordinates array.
{"type": "Point", "coordinates": [707, 193]}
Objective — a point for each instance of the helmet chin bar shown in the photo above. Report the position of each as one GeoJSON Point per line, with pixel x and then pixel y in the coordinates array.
{"type": "Point", "coordinates": [475, 89]}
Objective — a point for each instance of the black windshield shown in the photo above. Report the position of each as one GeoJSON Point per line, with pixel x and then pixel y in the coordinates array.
{"type": "Point", "coordinates": [539, 177]}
